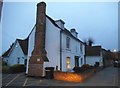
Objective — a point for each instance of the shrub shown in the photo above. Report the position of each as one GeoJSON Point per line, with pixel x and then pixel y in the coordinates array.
{"type": "Point", "coordinates": [83, 68]}
{"type": "Point", "coordinates": [17, 68]}
{"type": "Point", "coordinates": [5, 69]}
{"type": "Point", "coordinates": [4, 63]}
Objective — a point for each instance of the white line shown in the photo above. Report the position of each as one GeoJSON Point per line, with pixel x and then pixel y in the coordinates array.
{"type": "Point", "coordinates": [25, 82]}
{"type": "Point", "coordinates": [12, 80]}
{"type": "Point", "coordinates": [6, 76]}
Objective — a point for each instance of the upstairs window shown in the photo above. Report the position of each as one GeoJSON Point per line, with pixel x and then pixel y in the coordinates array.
{"type": "Point", "coordinates": [81, 49]}
{"type": "Point", "coordinates": [67, 42]}
{"type": "Point", "coordinates": [18, 60]}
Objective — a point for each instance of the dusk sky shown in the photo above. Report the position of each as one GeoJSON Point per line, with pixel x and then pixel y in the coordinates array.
{"type": "Point", "coordinates": [98, 20]}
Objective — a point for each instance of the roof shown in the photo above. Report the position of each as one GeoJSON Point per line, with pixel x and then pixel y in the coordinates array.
{"type": "Point", "coordinates": [7, 52]}
{"type": "Point", "coordinates": [64, 30]}
{"type": "Point", "coordinates": [92, 50]}
{"type": "Point", "coordinates": [23, 44]}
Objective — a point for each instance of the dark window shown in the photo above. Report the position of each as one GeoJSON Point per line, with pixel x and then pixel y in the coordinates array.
{"type": "Point", "coordinates": [76, 61]}
{"type": "Point", "coordinates": [67, 42]}
{"type": "Point", "coordinates": [18, 60]}
{"type": "Point", "coordinates": [80, 47]}
{"type": "Point", "coordinates": [81, 61]}
{"type": "Point", "coordinates": [25, 62]}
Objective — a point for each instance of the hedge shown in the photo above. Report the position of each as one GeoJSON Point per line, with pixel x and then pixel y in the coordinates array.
{"type": "Point", "coordinates": [17, 68]}
{"type": "Point", "coordinates": [5, 69]}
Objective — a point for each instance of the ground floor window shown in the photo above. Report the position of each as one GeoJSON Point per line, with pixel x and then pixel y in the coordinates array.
{"type": "Point", "coordinates": [25, 62]}
{"type": "Point", "coordinates": [68, 66]}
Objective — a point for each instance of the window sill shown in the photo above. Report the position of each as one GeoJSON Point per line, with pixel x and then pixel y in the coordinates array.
{"type": "Point", "coordinates": [68, 49]}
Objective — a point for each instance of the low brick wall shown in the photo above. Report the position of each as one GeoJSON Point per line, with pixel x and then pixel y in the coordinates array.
{"type": "Point", "coordinates": [72, 76]}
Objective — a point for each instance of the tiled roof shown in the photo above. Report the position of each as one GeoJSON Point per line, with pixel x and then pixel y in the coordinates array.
{"type": "Point", "coordinates": [24, 45]}
{"type": "Point", "coordinates": [7, 52]}
{"type": "Point", "coordinates": [92, 50]}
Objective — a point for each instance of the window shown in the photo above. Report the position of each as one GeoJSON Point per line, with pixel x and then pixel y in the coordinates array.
{"type": "Point", "coordinates": [68, 42]}
{"type": "Point", "coordinates": [81, 47]}
{"type": "Point", "coordinates": [25, 62]}
{"type": "Point", "coordinates": [68, 63]}
{"type": "Point", "coordinates": [18, 60]}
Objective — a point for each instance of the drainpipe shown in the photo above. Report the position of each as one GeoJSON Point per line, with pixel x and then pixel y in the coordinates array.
{"type": "Point", "coordinates": [61, 49]}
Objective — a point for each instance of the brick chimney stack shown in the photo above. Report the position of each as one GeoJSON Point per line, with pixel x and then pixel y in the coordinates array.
{"type": "Point", "coordinates": [39, 53]}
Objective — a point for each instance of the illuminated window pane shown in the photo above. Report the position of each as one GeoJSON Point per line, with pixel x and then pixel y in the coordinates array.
{"type": "Point", "coordinates": [68, 63]}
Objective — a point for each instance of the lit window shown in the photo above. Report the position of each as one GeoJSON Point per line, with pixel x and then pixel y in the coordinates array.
{"type": "Point", "coordinates": [67, 42]}
{"type": "Point", "coordinates": [68, 63]}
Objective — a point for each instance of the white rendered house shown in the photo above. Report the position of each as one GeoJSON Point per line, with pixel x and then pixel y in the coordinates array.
{"type": "Point", "coordinates": [17, 53]}
{"type": "Point", "coordinates": [50, 44]}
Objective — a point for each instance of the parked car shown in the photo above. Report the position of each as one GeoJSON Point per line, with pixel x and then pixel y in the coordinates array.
{"type": "Point", "coordinates": [116, 63]}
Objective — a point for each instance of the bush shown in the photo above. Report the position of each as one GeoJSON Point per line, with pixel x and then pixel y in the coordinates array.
{"type": "Point", "coordinates": [4, 63]}
{"type": "Point", "coordinates": [83, 68]}
{"type": "Point", "coordinates": [17, 68]}
{"type": "Point", "coordinates": [5, 69]}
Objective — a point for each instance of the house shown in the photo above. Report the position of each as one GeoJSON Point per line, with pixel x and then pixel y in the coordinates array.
{"type": "Point", "coordinates": [17, 53]}
{"type": "Point", "coordinates": [52, 45]}
{"type": "Point", "coordinates": [93, 55]}
{"type": "Point", "coordinates": [97, 55]}
{"type": "Point", "coordinates": [108, 57]}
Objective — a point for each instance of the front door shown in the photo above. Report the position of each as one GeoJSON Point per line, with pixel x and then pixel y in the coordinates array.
{"type": "Point", "coordinates": [76, 61]}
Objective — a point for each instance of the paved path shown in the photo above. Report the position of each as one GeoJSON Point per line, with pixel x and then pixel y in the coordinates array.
{"type": "Point", "coordinates": [106, 77]}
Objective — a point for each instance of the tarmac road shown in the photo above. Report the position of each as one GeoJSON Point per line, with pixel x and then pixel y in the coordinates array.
{"type": "Point", "coordinates": [106, 77]}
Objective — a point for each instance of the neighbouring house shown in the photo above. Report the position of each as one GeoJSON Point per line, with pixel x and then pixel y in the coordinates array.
{"type": "Point", "coordinates": [17, 53]}
{"type": "Point", "coordinates": [97, 55]}
{"type": "Point", "coordinates": [93, 55]}
{"type": "Point", "coordinates": [52, 45]}
{"type": "Point", "coordinates": [107, 57]}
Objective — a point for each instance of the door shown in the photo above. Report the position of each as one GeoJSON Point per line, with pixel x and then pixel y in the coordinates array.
{"type": "Point", "coordinates": [76, 61]}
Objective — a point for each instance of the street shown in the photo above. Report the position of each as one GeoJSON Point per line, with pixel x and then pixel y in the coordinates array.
{"type": "Point", "coordinates": [106, 77]}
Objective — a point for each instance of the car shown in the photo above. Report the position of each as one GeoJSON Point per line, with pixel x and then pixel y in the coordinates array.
{"type": "Point", "coordinates": [116, 63]}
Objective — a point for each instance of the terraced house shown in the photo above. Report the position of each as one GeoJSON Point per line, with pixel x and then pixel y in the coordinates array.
{"type": "Point", "coordinates": [50, 44]}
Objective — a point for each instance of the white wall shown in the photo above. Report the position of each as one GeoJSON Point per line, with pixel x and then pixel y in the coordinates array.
{"type": "Point", "coordinates": [92, 59]}
{"type": "Point", "coordinates": [52, 45]}
{"type": "Point", "coordinates": [30, 47]}
{"type": "Point", "coordinates": [72, 52]}
{"type": "Point", "coordinates": [15, 53]}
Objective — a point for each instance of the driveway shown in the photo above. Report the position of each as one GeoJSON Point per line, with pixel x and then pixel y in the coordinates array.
{"type": "Point", "coordinates": [106, 77]}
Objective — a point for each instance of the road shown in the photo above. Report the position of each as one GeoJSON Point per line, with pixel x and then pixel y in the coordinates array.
{"type": "Point", "coordinates": [106, 77]}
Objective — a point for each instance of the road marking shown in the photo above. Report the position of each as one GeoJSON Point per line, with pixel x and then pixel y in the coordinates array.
{"type": "Point", "coordinates": [12, 80]}
{"type": "Point", "coordinates": [25, 82]}
{"type": "Point", "coordinates": [6, 76]}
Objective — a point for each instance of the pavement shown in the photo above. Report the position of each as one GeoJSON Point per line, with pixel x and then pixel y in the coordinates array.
{"type": "Point", "coordinates": [106, 77]}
